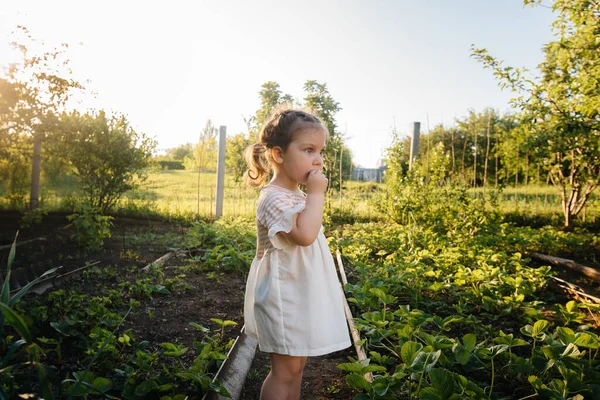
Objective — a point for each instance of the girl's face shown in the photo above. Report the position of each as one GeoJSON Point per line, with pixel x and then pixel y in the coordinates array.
{"type": "Point", "coordinates": [304, 153]}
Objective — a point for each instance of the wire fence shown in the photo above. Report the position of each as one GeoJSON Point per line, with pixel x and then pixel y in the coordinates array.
{"type": "Point", "coordinates": [193, 194]}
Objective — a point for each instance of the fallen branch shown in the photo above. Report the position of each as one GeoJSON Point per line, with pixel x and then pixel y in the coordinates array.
{"type": "Point", "coordinates": [8, 246]}
{"type": "Point", "coordinates": [591, 273]}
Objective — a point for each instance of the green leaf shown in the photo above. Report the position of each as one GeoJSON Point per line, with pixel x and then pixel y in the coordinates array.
{"type": "Point", "coordinates": [220, 389]}
{"type": "Point", "coordinates": [539, 327]}
{"type": "Point", "coordinates": [442, 380]}
{"type": "Point", "coordinates": [201, 328]}
{"type": "Point", "coordinates": [102, 385]}
{"type": "Point", "coordinates": [430, 393]}
{"type": "Point", "coordinates": [356, 381]}
{"type": "Point", "coordinates": [15, 320]}
{"type": "Point", "coordinates": [354, 367]}
{"type": "Point", "coordinates": [11, 350]}
{"type": "Point", "coordinates": [409, 351]}
{"type": "Point", "coordinates": [587, 340]}
{"type": "Point", "coordinates": [26, 288]}
{"type": "Point", "coordinates": [173, 350]}
{"type": "Point", "coordinates": [146, 387]}
{"type": "Point", "coordinates": [566, 335]}
{"type": "Point", "coordinates": [469, 341]}
{"type": "Point", "coordinates": [462, 355]}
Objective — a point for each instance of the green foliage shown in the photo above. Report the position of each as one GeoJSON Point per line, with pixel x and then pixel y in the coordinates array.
{"type": "Point", "coordinates": [321, 102]}
{"type": "Point", "coordinates": [163, 164]}
{"type": "Point", "coordinates": [33, 91]}
{"type": "Point", "coordinates": [234, 158]}
{"type": "Point", "coordinates": [115, 364]}
{"type": "Point", "coordinates": [32, 217]}
{"type": "Point", "coordinates": [424, 197]}
{"type": "Point", "coordinates": [107, 155]}
{"type": "Point", "coordinates": [204, 154]}
{"type": "Point", "coordinates": [270, 97]}
{"type": "Point", "coordinates": [180, 152]}
{"type": "Point", "coordinates": [91, 227]}
{"type": "Point", "coordinates": [12, 358]}
{"type": "Point", "coordinates": [433, 311]}
{"type": "Point", "coordinates": [227, 245]}
{"type": "Point", "coordinates": [562, 109]}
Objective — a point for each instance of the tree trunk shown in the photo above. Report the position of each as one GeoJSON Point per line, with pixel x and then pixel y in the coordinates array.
{"type": "Point", "coordinates": [35, 172]}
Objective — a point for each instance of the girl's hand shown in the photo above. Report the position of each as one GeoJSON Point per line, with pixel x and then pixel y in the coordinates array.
{"type": "Point", "coordinates": [316, 182]}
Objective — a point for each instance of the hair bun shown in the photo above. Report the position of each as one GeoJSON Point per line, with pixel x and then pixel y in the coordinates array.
{"type": "Point", "coordinates": [258, 148]}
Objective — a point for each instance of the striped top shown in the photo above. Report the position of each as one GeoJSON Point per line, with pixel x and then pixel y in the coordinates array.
{"type": "Point", "coordinates": [274, 208]}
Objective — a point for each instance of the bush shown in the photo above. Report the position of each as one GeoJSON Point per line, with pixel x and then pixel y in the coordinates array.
{"type": "Point", "coordinates": [91, 227]}
{"type": "Point", "coordinates": [109, 157]}
{"type": "Point", "coordinates": [170, 164]}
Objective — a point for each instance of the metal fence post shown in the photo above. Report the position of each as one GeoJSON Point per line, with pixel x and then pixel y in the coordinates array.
{"type": "Point", "coordinates": [221, 172]}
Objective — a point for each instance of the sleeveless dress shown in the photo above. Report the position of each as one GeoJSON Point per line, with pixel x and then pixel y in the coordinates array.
{"type": "Point", "coordinates": [294, 301]}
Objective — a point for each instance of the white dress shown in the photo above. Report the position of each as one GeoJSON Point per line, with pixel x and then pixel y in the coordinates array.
{"type": "Point", "coordinates": [293, 303]}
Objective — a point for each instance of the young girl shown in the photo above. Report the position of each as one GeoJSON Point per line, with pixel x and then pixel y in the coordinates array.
{"type": "Point", "coordinates": [293, 303]}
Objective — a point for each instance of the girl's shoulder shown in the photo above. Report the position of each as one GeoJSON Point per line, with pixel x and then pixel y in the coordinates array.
{"type": "Point", "coordinates": [277, 199]}
{"type": "Point", "coordinates": [278, 191]}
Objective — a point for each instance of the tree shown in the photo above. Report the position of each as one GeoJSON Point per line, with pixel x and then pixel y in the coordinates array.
{"type": "Point", "coordinates": [562, 108]}
{"type": "Point", "coordinates": [180, 152]}
{"type": "Point", "coordinates": [107, 155]}
{"type": "Point", "coordinates": [234, 158]}
{"type": "Point", "coordinates": [319, 100]}
{"type": "Point", "coordinates": [204, 156]}
{"type": "Point", "coordinates": [33, 93]}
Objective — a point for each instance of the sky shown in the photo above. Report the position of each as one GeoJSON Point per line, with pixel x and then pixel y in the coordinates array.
{"type": "Point", "coordinates": [169, 66]}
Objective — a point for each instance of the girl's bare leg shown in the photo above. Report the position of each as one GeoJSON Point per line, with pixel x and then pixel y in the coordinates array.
{"type": "Point", "coordinates": [285, 379]}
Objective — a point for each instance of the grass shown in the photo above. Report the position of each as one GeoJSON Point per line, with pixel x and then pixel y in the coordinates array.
{"type": "Point", "coordinates": [187, 194]}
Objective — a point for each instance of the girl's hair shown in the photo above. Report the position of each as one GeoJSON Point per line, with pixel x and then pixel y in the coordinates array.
{"type": "Point", "coordinates": [278, 131]}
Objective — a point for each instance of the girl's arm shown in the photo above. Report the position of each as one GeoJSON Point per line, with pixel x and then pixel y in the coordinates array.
{"type": "Point", "coordinates": [307, 224]}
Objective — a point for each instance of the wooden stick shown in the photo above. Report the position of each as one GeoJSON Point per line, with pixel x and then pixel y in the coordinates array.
{"type": "Point", "coordinates": [360, 352]}
{"type": "Point", "coordinates": [341, 267]}
{"type": "Point", "coordinates": [576, 290]}
{"type": "Point", "coordinates": [591, 273]}
{"type": "Point", "coordinates": [8, 246]}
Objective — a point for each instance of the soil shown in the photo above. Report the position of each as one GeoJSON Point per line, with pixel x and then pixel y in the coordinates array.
{"type": "Point", "coordinates": [163, 318]}
{"type": "Point", "coordinates": [167, 318]}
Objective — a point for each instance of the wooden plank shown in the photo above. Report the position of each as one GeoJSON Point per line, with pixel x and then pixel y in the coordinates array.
{"type": "Point", "coordinates": [235, 368]}
{"type": "Point", "coordinates": [360, 352]}
{"type": "Point", "coordinates": [341, 267]}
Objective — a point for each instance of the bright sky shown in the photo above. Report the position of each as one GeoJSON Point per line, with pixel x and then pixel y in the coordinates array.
{"type": "Point", "coordinates": [171, 65]}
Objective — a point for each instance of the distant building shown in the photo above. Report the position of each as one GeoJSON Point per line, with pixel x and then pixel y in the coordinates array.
{"type": "Point", "coordinates": [369, 174]}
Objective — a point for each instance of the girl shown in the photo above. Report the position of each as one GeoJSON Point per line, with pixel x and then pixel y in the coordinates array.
{"type": "Point", "coordinates": [293, 303]}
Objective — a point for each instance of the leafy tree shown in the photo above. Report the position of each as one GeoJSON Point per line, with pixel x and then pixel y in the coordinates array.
{"type": "Point", "coordinates": [319, 100]}
{"type": "Point", "coordinates": [562, 108]}
{"type": "Point", "coordinates": [107, 155]}
{"type": "Point", "coordinates": [204, 156]}
{"type": "Point", "coordinates": [33, 92]}
{"type": "Point", "coordinates": [180, 152]}
{"type": "Point", "coordinates": [234, 157]}
{"type": "Point", "coordinates": [270, 97]}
